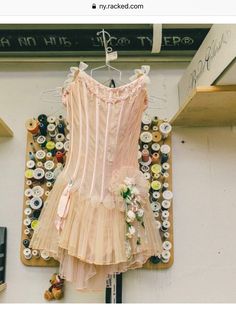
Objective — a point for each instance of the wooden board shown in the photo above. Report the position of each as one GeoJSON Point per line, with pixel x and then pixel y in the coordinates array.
{"type": "Point", "coordinates": [161, 265]}
{"type": "Point", "coordinates": [40, 262]}
{"type": "Point", "coordinates": [5, 131]}
{"type": "Point", "coordinates": [208, 106]}
{"type": "Point", "coordinates": [2, 287]}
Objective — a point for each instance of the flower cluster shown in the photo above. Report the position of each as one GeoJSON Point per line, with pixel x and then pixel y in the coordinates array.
{"type": "Point", "coordinates": [133, 206]}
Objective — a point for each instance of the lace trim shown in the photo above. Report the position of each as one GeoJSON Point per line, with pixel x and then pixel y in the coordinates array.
{"type": "Point", "coordinates": [120, 93]}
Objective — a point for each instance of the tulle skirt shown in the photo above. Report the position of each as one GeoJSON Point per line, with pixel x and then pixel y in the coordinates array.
{"type": "Point", "coordinates": [91, 244]}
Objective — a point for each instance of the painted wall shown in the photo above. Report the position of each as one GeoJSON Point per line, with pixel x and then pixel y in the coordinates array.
{"type": "Point", "coordinates": [204, 176]}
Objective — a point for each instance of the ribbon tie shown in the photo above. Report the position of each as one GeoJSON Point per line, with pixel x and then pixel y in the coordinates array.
{"type": "Point", "coordinates": [63, 207]}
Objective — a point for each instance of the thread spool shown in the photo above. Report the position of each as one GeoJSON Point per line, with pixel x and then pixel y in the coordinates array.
{"type": "Point", "coordinates": [61, 119]}
{"type": "Point", "coordinates": [40, 155]}
{"type": "Point", "coordinates": [29, 173]}
{"type": "Point", "coordinates": [155, 121]}
{"type": "Point", "coordinates": [27, 233]}
{"type": "Point", "coordinates": [166, 235]}
{"type": "Point", "coordinates": [164, 158]}
{"type": "Point", "coordinates": [156, 214]}
{"type": "Point", "coordinates": [59, 156]}
{"type": "Point", "coordinates": [68, 127]}
{"type": "Point", "coordinates": [165, 167]}
{"type": "Point", "coordinates": [145, 168]}
{"type": "Point", "coordinates": [34, 224]}
{"type": "Point", "coordinates": [68, 137]}
{"type": "Point", "coordinates": [165, 215]}
{"type": "Point", "coordinates": [30, 164]}
{"type": "Point", "coordinates": [43, 129]}
{"type": "Point", "coordinates": [47, 193]}
{"type": "Point", "coordinates": [146, 127]}
{"type": "Point", "coordinates": [26, 243]}
{"type": "Point", "coordinates": [51, 119]}
{"type": "Point", "coordinates": [27, 211]}
{"type": "Point", "coordinates": [165, 149]}
{"type": "Point", "coordinates": [155, 195]}
{"type": "Point", "coordinates": [27, 202]}
{"type": "Point", "coordinates": [61, 128]}
{"type": "Point", "coordinates": [37, 191]}
{"type": "Point", "coordinates": [36, 214]}
{"type": "Point", "coordinates": [156, 136]}
{"type": "Point", "coordinates": [165, 205]}
{"type": "Point", "coordinates": [165, 225]}
{"type": "Point", "coordinates": [39, 174]}
{"type": "Point", "coordinates": [29, 183]}
{"type": "Point", "coordinates": [28, 192]}
{"type": "Point", "coordinates": [42, 118]}
{"type": "Point", "coordinates": [32, 126]}
{"type": "Point", "coordinates": [155, 186]}
{"type": "Point", "coordinates": [167, 245]}
{"type": "Point", "coordinates": [60, 137]}
{"type": "Point", "coordinates": [31, 156]}
{"type": "Point", "coordinates": [147, 176]}
{"type": "Point", "coordinates": [155, 206]}
{"type": "Point", "coordinates": [27, 222]}
{"type": "Point", "coordinates": [49, 176]}
{"type": "Point", "coordinates": [42, 141]}
{"type": "Point", "coordinates": [155, 147]}
{"type": "Point", "coordinates": [36, 203]}
{"type": "Point", "coordinates": [67, 145]}
{"type": "Point", "coordinates": [49, 165]}
{"type": "Point", "coordinates": [155, 260]}
{"type": "Point", "coordinates": [146, 119]}
{"type": "Point", "coordinates": [155, 158]}
{"type": "Point", "coordinates": [27, 253]}
{"type": "Point", "coordinates": [156, 169]}
{"type": "Point", "coordinates": [165, 129]}
{"type": "Point", "coordinates": [165, 256]}
{"type": "Point", "coordinates": [45, 255]}
{"type": "Point", "coordinates": [167, 195]}
{"type": "Point", "coordinates": [146, 137]}
{"type": "Point", "coordinates": [50, 146]}
{"type": "Point", "coordinates": [39, 164]}
{"type": "Point", "coordinates": [49, 185]}
{"type": "Point", "coordinates": [51, 128]}
{"type": "Point", "coordinates": [35, 253]}
{"type": "Point", "coordinates": [145, 155]}
{"type": "Point", "coordinates": [154, 128]}
{"type": "Point", "coordinates": [165, 187]}
{"type": "Point", "coordinates": [49, 156]}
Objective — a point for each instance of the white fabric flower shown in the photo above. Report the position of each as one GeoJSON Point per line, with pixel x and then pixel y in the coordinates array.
{"type": "Point", "coordinates": [140, 213]}
{"type": "Point", "coordinates": [130, 216]}
{"type": "Point", "coordinates": [123, 188]}
{"type": "Point", "coordinates": [134, 190]}
{"type": "Point", "coordinates": [132, 230]}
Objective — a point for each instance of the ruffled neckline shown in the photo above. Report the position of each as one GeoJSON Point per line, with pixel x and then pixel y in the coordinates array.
{"type": "Point", "coordinates": [112, 89]}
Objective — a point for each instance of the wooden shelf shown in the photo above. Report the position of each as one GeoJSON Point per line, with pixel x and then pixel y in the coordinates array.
{"type": "Point", "coordinates": [5, 131]}
{"type": "Point", "coordinates": [2, 287]}
{"type": "Point", "coordinates": [208, 106]}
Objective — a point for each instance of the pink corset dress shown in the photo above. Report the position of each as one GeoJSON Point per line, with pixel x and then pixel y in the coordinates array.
{"type": "Point", "coordinates": [83, 223]}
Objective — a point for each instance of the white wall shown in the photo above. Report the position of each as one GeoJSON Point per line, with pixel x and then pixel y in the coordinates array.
{"type": "Point", "coordinates": [204, 176]}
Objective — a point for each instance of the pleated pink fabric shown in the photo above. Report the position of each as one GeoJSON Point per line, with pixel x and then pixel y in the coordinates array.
{"type": "Point", "coordinates": [82, 224]}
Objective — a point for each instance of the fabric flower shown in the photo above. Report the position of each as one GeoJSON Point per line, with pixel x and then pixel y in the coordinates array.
{"type": "Point", "coordinates": [130, 216]}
